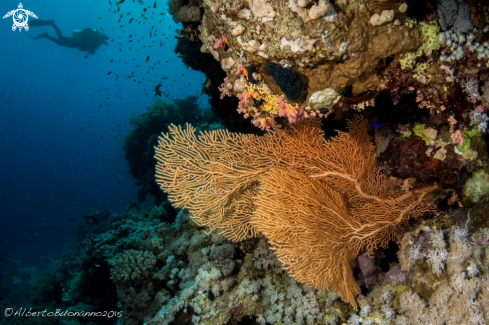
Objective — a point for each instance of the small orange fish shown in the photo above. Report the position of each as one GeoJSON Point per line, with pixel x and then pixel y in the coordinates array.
{"type": "Point", "coordinates": [208, 84]}
{"type": "Point", "coordinates": [120, 2]}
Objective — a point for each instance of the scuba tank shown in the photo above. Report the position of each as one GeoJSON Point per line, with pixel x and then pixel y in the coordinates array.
{"type": "Point", "coordinates": [78, 32]}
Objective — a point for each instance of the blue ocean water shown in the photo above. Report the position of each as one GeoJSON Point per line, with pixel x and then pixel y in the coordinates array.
{"type": "Point", "coordinates": [63, 118]}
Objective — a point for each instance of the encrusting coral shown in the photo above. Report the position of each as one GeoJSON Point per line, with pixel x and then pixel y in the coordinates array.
{"type": "Point", "coordinates": [320, 203]}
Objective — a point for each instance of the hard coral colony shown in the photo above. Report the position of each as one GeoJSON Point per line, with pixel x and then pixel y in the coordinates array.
{"type": "Point", "coordinates": [382, 214]}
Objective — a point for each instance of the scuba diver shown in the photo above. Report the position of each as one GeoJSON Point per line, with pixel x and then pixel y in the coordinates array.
{"type": "Point", "coordinates": [157, 90]}
{"type": "Point", "coordinates": [86, 40]}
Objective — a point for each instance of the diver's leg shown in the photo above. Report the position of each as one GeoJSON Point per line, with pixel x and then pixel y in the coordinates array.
{"type": "Point", "coordinates": [57, 30]}
{"type": "Point", "coordinates": [40, 22]}
{"type": "Point", "coordinates": [54, 40]}
{"type": "Point", "coordinates": [46, 36]}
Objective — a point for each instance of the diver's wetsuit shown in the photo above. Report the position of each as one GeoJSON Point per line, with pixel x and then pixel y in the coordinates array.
{"type": "Point", "coordinates": [88, 40]}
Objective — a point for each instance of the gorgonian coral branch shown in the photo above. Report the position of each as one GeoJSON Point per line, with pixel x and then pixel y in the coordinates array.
{"type": "Point", "coordinates": [320, 203]}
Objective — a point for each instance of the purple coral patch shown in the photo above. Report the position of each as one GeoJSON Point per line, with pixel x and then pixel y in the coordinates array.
{"type": "Point", "coordinates": [395, 274]}
{"type": "Point", "coordinates": [459, 218]}
{"type": "Point", "coordinates": [367, 265]}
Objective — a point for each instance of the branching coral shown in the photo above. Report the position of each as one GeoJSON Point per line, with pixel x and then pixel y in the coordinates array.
{"type": "Point", "coordinates": [319, 203]}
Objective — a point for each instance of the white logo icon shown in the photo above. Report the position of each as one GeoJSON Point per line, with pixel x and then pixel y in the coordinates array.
{"type": "Point", "coordinates": [20, 17]}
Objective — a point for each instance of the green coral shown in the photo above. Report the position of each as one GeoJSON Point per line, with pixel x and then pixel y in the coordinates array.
{"type": "Point", "coordinates": [443, 222]}
{"type": "Point", "coordinates": [460, 149]}
{"type": "Point", "coordinates": [430, 34]}
{"type": "Point", "coordinates": [420, 68]}
{"type": "Point", "coordinates": [418, 130]}
{"type": "Point", "coordinates": [406, 134]}
{"type": "Point", "coordinates": [407, 60]}
{"type": "Point", "coordinates": [404, 131]}
{"type": "Point", "coordinates": [473, 132]}
{"type": "Point", "coordinates": [477, 186]}
{"type": "Point", "coordinates": [419, 71]}
{"type": "Point", "coordinates": [430, 43]}
{"type": "Point", "coordinates": [467, 135]}
{"type": "Point", "coordinates": [378, 318]}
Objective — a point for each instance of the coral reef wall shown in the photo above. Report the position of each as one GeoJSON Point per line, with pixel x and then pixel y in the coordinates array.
{"type": "Point", "coordinates": [177, 273]}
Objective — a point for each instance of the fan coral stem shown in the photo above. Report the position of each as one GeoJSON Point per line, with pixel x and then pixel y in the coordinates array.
{"type": "Point", "coordinates": [358, 186]}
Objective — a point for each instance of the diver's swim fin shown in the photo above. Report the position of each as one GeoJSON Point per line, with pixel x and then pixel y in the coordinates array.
{"type": "Point", "coordinates": [43, 35]}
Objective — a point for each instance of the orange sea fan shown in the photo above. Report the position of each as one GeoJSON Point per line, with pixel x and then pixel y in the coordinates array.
{"type": "Point", "coordinates": [320, 203]}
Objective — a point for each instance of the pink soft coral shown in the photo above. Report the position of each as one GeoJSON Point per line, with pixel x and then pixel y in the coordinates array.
{"type": "Point", "coordinates": [218, 43]}
{"type": "Point", "coordinates": [244, 101]}
{"type": "Point", "coordinates": [225, 91]}
{"type": "Point", "coordinates": [265, 123]}
{"type": "Point", "coordinates": [457, 137]}
{"type": "Point", "coordinates": [287, 110]}
{"type": "Point", "coordinates": [452, 122]}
